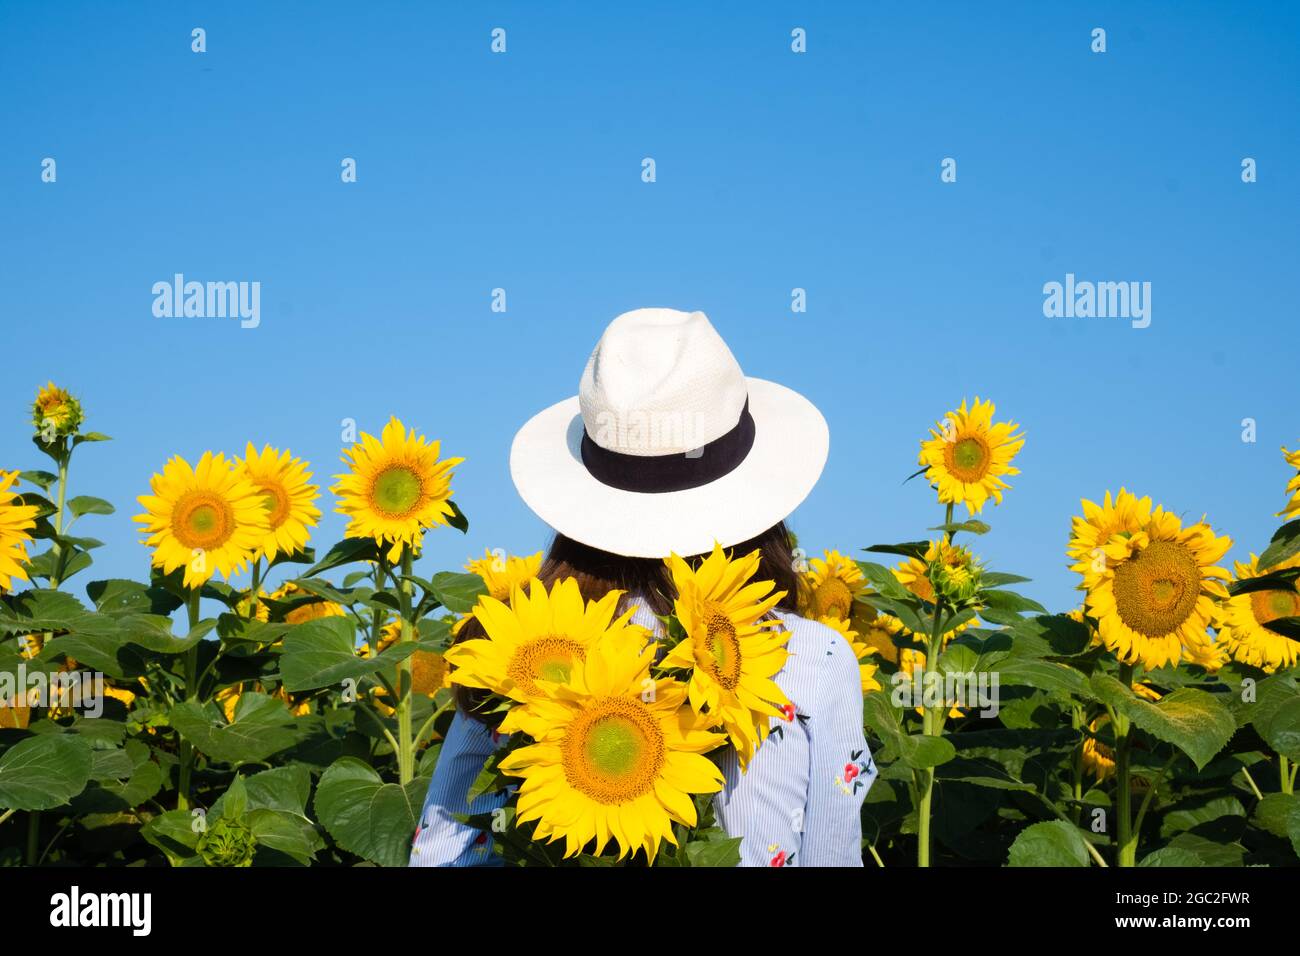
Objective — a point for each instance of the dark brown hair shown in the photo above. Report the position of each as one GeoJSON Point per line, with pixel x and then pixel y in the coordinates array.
{"type": "Point", "coordinates": [645, 580]}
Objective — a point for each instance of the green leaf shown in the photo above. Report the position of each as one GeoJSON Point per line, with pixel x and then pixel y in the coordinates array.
{"type": "Point", "coordinates": [1192, 720]}
{"type": "Point", "coordinates": [262, 726]}
{"type": "Point", "coordinates": [89, 436]}
{"type": "Point", "coordinates": [1171, 856]}
{"type": "Point", "coordinates": [884, 583]}
{"type": "Point", "coordinates": [1008, 601]}
{"type": "Point", "coordinates": [364, 815]}
{"type": "Point", "coordinates": [910, 549]}
{"type": "Point", "coordinates": [42, 610]}
{"type": "Point", "coordinates": [717, 850]}
{"type": "Point", "coordinates": [117, 595]}
{"type": "Point", "coordinates": [85, 505]}
{"type": "Point", "coordinates": [1053, 635]}
{"type": "Point", "coordinates": [321, 653]}
{"type": "Point", "coordinates": [993, 579]}
{"type": "Point", "coordinates": [1285, 544]}
{"type": "Point", "coordinates": [41, 479]}
{"type": "Point", "coordinates": [1052, 843]}
{"type": "Point", "coordinates": [174, 833]}
{"type": "Point", "coordinates": [921, 751]}
{"type": "Point", "coordinates": [1273, 813]}
{"type": "Point", "coordinates": [972, 526]}
{"type": "Point", "coordinates": [458, 519]}
{"type": "Point", "coordinates": [1286, 626]}
{"type": "Point", "coordinates": [43, 772]}
{"type": "Point", "coordinates": [457, 592]}
{"type": "Point", "coordinates": [347, 551]}
{"type": "Point", "coordinates": [1044, 675]}
{"type": "Point", "coordinates": [291, 834]}
{"type": "Point", "coordinates": [1282, 729]}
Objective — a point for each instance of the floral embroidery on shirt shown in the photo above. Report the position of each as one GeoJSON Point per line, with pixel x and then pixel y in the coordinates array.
{"type": "Point", "coordinates": [788, 713]}
{"type": "Point", "coordinates": [416, 839]}
{"type": "Point", "coordinates": [781, 858]}
{"type": "Point", "coordinates": [860, 766]}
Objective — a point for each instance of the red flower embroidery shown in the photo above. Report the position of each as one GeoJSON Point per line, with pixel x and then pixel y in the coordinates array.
{"type": "Point", "coordinates": [779, 859]}
{"type": "Point", "coordinates": [788, 710]}
{"type": "Point", "coordinates": [850, 771]}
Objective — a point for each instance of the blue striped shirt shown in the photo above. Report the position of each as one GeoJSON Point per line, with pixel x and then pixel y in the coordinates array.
{"type": "Point", "coordinates": [799, 803]}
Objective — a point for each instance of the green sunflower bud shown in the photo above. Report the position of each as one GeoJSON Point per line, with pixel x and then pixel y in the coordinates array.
{"type": "Point", "coordinates": [227, 843]}
{"type": "Point", "coordinates": [55, 413]}
{"type": "Point", "coordinates": [955, 574]}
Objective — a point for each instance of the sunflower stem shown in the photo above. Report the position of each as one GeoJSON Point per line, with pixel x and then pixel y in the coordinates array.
{"type": "Point", "coordinates": [1079, 720]}
{"type": "Point", "coordinates": [450, 702]}
{"type": "Point", "coordinates": [1286, 774]}
{"type": "Point", "coordinates": [932, 726]}
{"type": "Point", "coordinates": [254, 589]}
{"type": "Point", "coordinates": [191, 693]}
{"type": "Point", "coordinates": [1126, 849]}
{"type": "Point", "coordinates": [405, 699]}
{"type": "Point", "coordinates": [1251, 780]}
{"type": "Point", "coordinates": [64, 456]}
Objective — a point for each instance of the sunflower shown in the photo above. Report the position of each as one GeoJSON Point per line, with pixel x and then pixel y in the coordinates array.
{"type": "Point", "coordinates": [285, 484]}
{"type": "Point", "coordinates": [1157, 594]}
{"type": "Point", "coordinates": [732, 654]}
{"type": "Point", "coordinates": [501, 576]}
{"type": "Point", "coordinates": [959, 569]}
{"type": "Point", "coordinates": [1211, 655]}
{"type": "Point", "coordinates": [1098, 758]}
{"type": "Point", "coordinates": [911, 663]}
{"type": "Point", "coordinates": [876, 630]}
{"type": "Point", "coordinates": [1243, 616]}
{"type": "Point", "coordinates": [299, 614]}
{"type": "Point", "coordinates": [396, 487]}
{"type": "Point", "coordinates": [430, 671]}
{"type": "Point", "coordinates": [1292, 508]}
{"type": "Point", "coordinates": [57, 410]}
{"type": "Point", "coordinates": [967, 455]}
{"type": "Point", "coordinates": [861, 650]}
{"type": "Point", "coordinates": [1123, 514]}
{"type": "Point", "coordinates": [228, 700]}
{"type": "Point", "coordinates": [831, 586]}
{"type": "Point", "coordinates": [617, 754]}
{"type": "Point", "coordinates": [537, 637]}
{"type": "Point", "coordinates": [206, 518]}
{"type": "Point", "coordinates": [16, 523]}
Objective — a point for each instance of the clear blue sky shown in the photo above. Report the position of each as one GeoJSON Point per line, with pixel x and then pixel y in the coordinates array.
{"type": "Point", "coordinates": [775, 170]}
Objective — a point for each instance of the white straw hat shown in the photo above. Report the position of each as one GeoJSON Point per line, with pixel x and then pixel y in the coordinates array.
{"type": "Point", "coordinates": [668, 447]}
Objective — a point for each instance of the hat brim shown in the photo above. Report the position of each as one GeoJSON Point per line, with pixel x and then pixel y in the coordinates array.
{"type": "Point", "coordinates": [791, 442]}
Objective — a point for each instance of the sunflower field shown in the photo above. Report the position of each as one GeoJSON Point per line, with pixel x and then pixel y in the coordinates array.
{"type": "Point", "coordinates": [184, 720]}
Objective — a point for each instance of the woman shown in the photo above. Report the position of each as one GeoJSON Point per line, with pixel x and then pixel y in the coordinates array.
{"type": "Point", "coordinates": [667, 448]}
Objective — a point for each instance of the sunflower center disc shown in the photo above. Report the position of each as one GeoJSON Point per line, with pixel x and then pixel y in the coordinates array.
{"type": "Point", "coordinates": [614, 750]}
{"type": "Point", "coordinates": [547, 658]}
{"type": "Point", "coordinates": [276, 503]}
{"type": "Point", "coordinates": [968, 459]}
{"type": "Point", "coordinates": [202, 521]}
{"type": "Point", "coordinates": [832, 597]}
{"type": "Point", "coordinates": [1270, 605]}
{"type": "Point", "coordinates": [397, 490]}
{"type": "Point", "coordinates": [724, 649]}
{"type": "Point", "coordinates": [1156, 589]}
